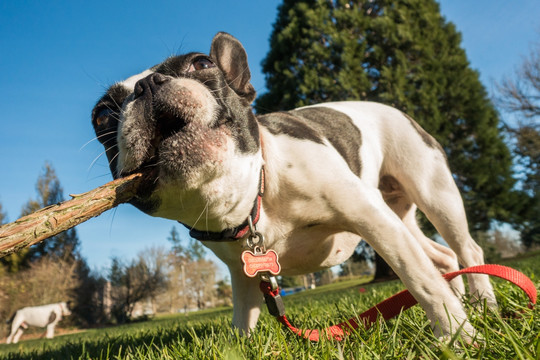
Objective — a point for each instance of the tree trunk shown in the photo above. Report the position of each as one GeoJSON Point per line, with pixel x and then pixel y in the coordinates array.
{"type": "Point", "coordinates": [54, 219]}
{"type": "Point", "coordinates": [383, 271]}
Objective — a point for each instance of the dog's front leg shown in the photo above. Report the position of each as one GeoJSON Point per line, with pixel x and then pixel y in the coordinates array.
{"type": "Point", "coordinates": [247, 301]}
{"type": "Point", "coordinates": [50, 331]}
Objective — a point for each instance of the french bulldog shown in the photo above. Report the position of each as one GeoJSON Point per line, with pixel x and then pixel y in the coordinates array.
{"type": "Point", "coordinates": [334, 174]}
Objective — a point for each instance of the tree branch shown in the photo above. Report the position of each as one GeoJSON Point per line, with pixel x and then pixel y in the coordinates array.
{"type": "Point", "coordinates": [54, 219]}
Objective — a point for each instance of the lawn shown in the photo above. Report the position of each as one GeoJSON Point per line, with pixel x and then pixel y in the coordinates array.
{"type": "Point", "coordinates": [512, 333]}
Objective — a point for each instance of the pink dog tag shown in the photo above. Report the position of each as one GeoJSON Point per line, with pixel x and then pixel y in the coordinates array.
{"type": "Point", "coordinates": [255, 263]}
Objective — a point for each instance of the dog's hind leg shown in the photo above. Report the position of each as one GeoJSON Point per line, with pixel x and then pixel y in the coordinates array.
{"type": "Point", "coordinates": [16, 327]}
{"type": "Point", "coordinates": [376, 223]}
{"type": "Point", "coordinates": [10, 338]}
{"type": "Point", "coordinates": [18, 334]}
{"type": "Point", "coordinates": [443, 257]}
{"type": "Point", "coordinates": [439, 199]}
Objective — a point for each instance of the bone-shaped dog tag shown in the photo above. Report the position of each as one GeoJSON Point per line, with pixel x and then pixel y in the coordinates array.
{"type": "Point", "coordinates": [257, 262]}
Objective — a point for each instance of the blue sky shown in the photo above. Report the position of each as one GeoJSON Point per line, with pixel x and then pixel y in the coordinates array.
{"type": "Point", "coordinates": [57, 58]}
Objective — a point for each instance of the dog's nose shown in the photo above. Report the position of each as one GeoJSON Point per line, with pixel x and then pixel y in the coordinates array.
{"type": "Point", "coordinates": [149, 84]}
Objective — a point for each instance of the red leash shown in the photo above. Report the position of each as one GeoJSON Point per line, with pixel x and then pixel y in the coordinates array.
{"type": "Point", "coordinates": [391, 306]}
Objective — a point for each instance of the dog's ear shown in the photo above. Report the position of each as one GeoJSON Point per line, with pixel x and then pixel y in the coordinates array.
{"type": "Point", "coordinates": [231, 58]}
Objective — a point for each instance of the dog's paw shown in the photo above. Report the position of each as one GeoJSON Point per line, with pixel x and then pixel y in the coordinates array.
{"type": "Point", "coordinates": [465, 335]}
{"type": "Point", "coordinates": [484, 300]}
{"type": "Point", "coordinates": [453, 329]}
{"type": "Point", "coordinates": [458, 287]}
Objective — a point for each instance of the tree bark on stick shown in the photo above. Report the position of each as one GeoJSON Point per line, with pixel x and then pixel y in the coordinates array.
{"type": "Point", "coordinates": [54, 219]}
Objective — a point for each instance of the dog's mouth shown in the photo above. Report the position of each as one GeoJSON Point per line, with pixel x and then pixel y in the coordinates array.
{"type": "Point", "coordinates": [178, 146]}
{"type": "Point", "coordinates": [171, 126]}
{"type": "Point", "coordinates": [168, 123]}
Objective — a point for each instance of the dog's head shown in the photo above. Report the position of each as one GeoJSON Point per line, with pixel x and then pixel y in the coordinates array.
{"type": "Point", "coordinates": [66, 308]}
{"type": "Point", "coordinates": [189, 121]}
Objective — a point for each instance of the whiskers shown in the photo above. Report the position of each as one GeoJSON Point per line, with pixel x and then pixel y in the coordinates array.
{"type": "Point", "coordinates": [93, 163]}
{"type": "Point", "coordinates": [216, 91]}
{"type": "Point", "coordinates": [114, 132]}
{"type": "Point", "coordinates": [204, 213]}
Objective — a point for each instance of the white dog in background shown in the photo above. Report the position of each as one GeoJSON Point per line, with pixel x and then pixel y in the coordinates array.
{"type": "Point", "coordinates": [40, 316]}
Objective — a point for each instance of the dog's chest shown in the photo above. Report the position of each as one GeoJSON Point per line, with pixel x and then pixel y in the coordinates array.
{"type": "Point", "coordinates": [299, 219]}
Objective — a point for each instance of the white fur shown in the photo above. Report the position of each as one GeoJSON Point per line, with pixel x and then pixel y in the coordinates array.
{"type": "Point", "coordinates": [213, 202]}
{"type": "Point", "coordinates": [309, 183]}
{"type": "Point", "coordinates": [132, 80]}
{"type": "Point", "coordinates": [315, 209]}
{"type": "Point", "coordinates": [37, 316]}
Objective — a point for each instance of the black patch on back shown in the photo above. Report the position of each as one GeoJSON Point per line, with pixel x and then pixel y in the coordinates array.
{"type": "Point", "coordinates": [340, 131]}
{"type": "Point", "coordinates": [294, 126]}
{"type": "Point", "coordinates": [316, 124]}
{"type": "Point", "coordinates": [52, 317]}
{"type": "Point", "coordinates": [426, 137]}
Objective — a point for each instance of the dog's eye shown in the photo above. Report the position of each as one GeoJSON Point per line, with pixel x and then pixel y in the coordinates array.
{"type": "Point", "coordinates": [201, 64]}
{"type": "Point", "coordinates": [103, 117]}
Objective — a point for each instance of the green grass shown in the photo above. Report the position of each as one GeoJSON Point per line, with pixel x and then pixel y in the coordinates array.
{"type": "Point", "coordinates": [512, 333]}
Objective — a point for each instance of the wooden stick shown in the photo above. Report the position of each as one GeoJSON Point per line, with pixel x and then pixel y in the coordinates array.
{"type": "Point", "coordinates": [54, 219]}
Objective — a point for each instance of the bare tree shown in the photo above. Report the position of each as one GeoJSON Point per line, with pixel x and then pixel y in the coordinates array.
{"type": "Point", "coordinates": [201, 280]}
{"type": "Point", "coordinates": [520, 96]}
{"type": "Point", "coordinates": [155, 259]}
{"type": "Point", "coordinates": [192, 276]}
{"type": "Point", "coordinates": [521, 93]}
{"type": "Point", "coordinates": [143, 278]}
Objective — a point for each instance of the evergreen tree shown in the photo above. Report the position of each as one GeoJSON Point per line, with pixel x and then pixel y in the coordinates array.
{"type": "Point", "coordinates": [194, 251]}
{"type": "Point", "coordinates": [316, 54]}
{"type": "Point", "coordinates": [49, 192]}
{"type": "Point", "coordinates": [65, 245]}
{"type": "Point", "coordinates": [402, 53]}
{"type": "Point", "coordinates": [405, 54]}
{"type": "Point", "coordinates": [177, 247]}
{"type": "Point", "coordinates": [87, 295]}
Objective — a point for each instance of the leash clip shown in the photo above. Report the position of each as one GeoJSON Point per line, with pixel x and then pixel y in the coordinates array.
{"type": "Point", "coordinates": [272, 298]}
{"type": "Point", "coordinates": [275, 305]}
{"type": "Point", "coordinates": [255, 240]}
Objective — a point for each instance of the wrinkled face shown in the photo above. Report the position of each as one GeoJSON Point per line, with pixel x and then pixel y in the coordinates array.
{"type": "Point", "coordinates": [184, 119]}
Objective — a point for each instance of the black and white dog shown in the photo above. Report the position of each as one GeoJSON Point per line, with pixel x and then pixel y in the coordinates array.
{"type": "Point", "coordinates": [41, 316]}
{"type": "Point", "coordinates": [334, 174]}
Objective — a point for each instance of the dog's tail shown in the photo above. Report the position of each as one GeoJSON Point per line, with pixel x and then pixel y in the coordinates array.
{"type": "Point", "coordinates": [10, 320]}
